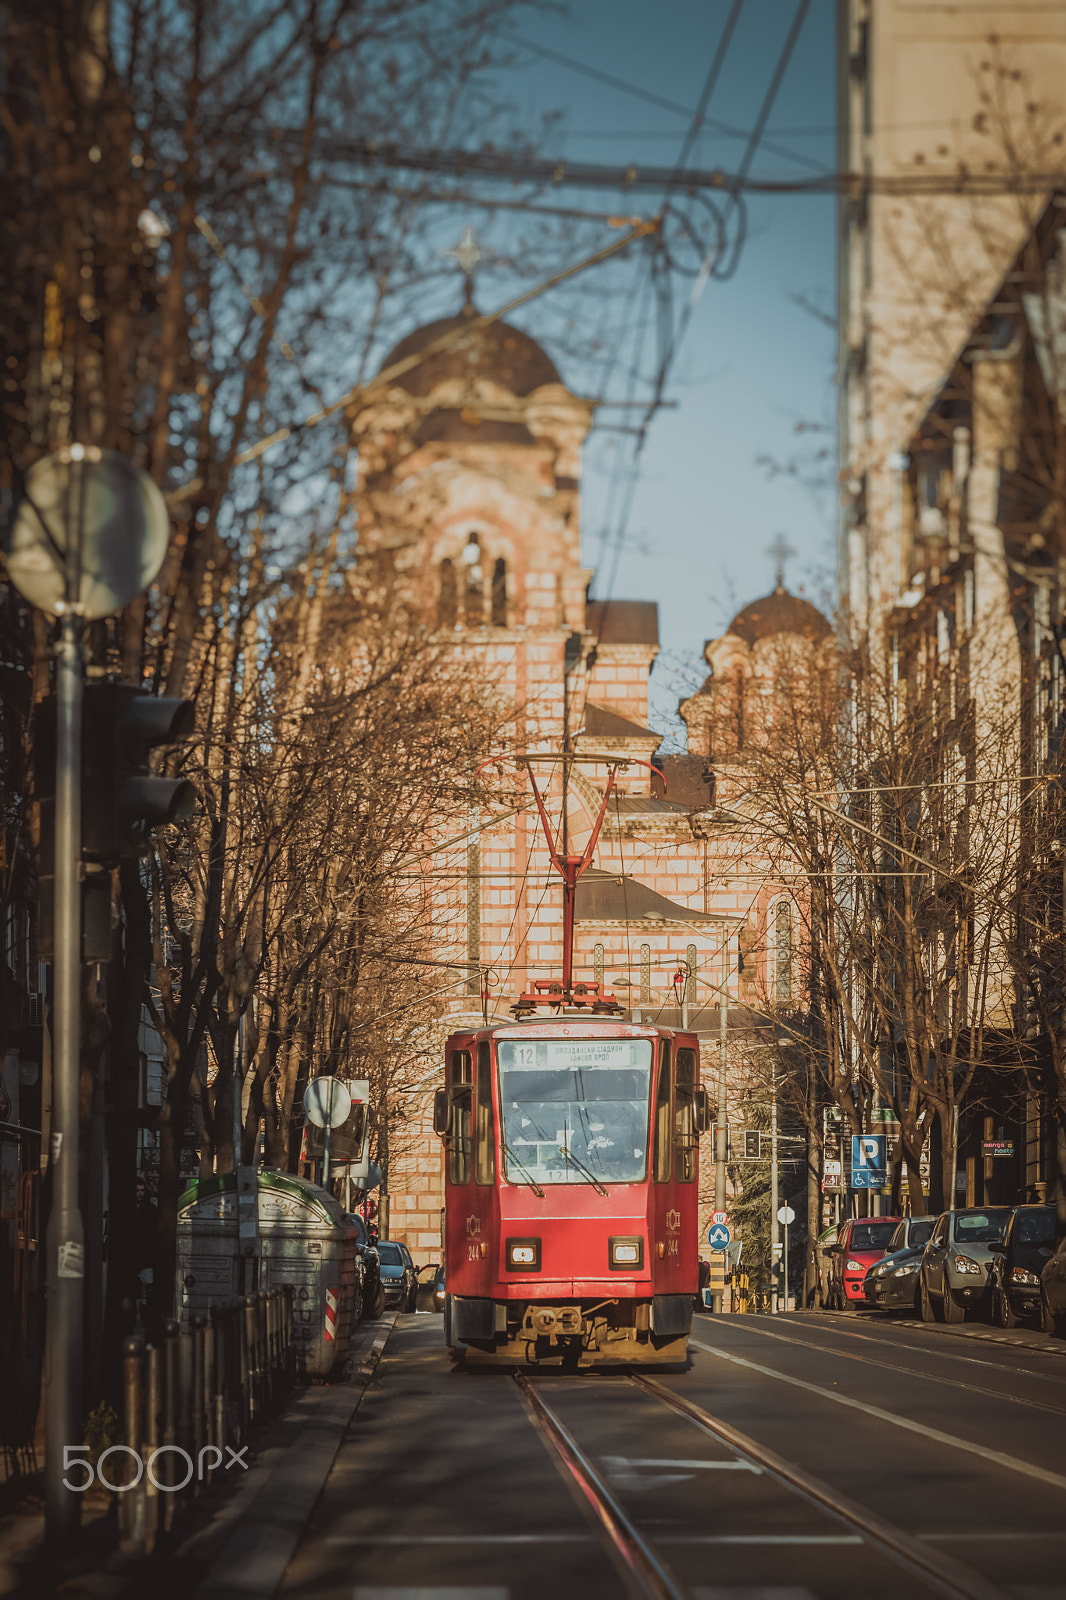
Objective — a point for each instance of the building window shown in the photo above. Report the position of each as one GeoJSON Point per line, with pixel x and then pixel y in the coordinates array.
{"type": "Point", "coordinates": [499, 594]}
{"type": "Point", "coordinates": [447, 610]}
{"type": "Point", "coordinates": [645, 974]}
{"type": "Point", "coordinates": [783, 951]}
{"type": "Point", "coordinates": [474, 587]}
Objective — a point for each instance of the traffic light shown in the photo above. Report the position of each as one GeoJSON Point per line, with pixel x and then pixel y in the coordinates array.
{"type": "Point", "coordinates": [122, 799]}
{"type": "Point", "coordinates": [752, 1142]}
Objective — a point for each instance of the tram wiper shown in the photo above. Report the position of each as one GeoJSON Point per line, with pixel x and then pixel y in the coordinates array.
{"type": "Point", "coordinates": [533, 1184]}
{"type": "Point", "coordinates": [581, 1167]}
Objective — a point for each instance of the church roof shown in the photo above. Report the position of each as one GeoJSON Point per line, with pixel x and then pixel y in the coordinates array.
{"type": "Point", "coordinates": [498, 351]}
{"type": "Point", "coordinates": [623, 621]}
{"type": "Point", "coordinates": [615, 897]}
{"type": "Point", "coordinates": [602, 723]}
{"type": "Point", "coordinates": [780, 612]}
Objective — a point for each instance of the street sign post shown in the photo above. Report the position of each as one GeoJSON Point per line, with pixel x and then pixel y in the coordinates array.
{"type": "Point", "coordinates": [327, 1104]}
{"type": "Point", "coordinates": [869, 1160]}
{"type": "Point", "coordinates": [89, 536]}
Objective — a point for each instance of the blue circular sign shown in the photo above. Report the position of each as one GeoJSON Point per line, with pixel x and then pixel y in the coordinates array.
{"type": "Point", "coordinates": [718, 1236]}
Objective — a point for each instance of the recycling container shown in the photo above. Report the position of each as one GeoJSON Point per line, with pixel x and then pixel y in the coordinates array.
{"type": "Point", "coordinates": [300, 1235]}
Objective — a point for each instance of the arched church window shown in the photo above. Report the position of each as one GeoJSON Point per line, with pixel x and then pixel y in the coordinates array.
{"type": "Point", "coordinates": [499, 594]}
{"type": "Point", "coordinates": [474, 588]}
{"type": "Point", "coordinates": [738, 680]}
{"type": "Point", "coordinates": [447, 609]}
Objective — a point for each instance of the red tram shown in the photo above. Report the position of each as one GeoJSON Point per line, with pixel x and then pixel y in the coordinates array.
{"type": "Point", "coordinates": [572, 1165]}
{"type": "Point", "coordinates": [571, 1189]}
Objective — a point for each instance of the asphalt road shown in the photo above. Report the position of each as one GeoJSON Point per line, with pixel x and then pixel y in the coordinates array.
{"type": "Point", "coordinates": [806, 1457]}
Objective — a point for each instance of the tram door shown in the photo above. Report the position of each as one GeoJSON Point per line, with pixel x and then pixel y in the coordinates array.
{"type": "Point", "coordinates": [674, 1171]}
{"type": "Point", "coordinates": [472, 1225]}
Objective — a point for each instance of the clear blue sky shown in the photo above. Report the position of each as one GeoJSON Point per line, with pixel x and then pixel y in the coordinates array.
{"type": "Point", "coordinates": [754, 365]}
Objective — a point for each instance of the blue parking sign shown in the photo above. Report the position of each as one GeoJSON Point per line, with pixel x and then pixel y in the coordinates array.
{"type": "Point", "coordinates": [869, 1160]}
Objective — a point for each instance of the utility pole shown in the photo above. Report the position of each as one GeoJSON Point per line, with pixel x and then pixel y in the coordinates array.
{"type": "Point", "coordinates": [775, 1246]}
{"type": "Point", "coordinates": [65, 1236]}
{"type": "Point", "coordinates": [721, 1127]}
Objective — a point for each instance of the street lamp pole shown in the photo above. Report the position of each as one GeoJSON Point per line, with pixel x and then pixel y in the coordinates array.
{"type": "Point", "coordinates": [65, 1234]}
{"type": "Point", "coordinates": [775, 1247]}
{"type": "Point", "coordinates": [721, 1126]}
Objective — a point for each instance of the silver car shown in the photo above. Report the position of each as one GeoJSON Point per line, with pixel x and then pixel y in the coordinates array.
{"type": "Point", "coordinates": [957, 1261]}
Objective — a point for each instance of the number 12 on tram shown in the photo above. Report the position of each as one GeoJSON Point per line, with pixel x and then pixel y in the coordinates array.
{"type": "Point", "coordinates": [571, 1191]}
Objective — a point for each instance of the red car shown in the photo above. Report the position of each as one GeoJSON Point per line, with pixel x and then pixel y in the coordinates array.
{"type": "Point", "coordinates": [860, 1243]}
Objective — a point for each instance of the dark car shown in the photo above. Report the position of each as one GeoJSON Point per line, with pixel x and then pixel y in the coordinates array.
{"type": "Point", "coordinates": [1053, 1293]}
{"type": "Point", "coordinates": [1028, 1244]}
{"type": "Point", "coordinates": [957, 1260]}
{"type": "Point", "coordinates": [373, 1291]}
{"type": "Point", "coordinates": [860, 1242]}
{"type": "Point", "coordinates": [398, 1276]}
{"type": "Point", "coordinates": [892, 1284]}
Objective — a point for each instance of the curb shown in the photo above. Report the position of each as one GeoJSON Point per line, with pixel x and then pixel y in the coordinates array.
{"type": "Point", "coordinates": [268, 1517]}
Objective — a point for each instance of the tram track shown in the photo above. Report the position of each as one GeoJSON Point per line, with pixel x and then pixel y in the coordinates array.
{"type": "Point", "coordinates": [648, 1574]}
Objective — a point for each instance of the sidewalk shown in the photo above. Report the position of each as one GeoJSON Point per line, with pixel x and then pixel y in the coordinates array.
{"type": "Point", "coordinates": [238, 1540]}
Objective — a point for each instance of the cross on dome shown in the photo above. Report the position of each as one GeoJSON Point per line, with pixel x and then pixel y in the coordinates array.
{"type": "Point", "coordinates": [469, 256]}
{"type": "Point", "coordinates": [780, 551]}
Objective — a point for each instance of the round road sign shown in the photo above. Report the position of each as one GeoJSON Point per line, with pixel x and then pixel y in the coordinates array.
{"type": "Point", "coordinates": [327, 1102]}
{"type": "Point", "coordinates": [718, 1236]}
{"type": "Point", "coordinates": [722, 1217]}
{"type": "Point", "coordinates": [92, 530]}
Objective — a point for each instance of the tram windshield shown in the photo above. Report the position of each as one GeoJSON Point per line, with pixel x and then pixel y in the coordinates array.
{"type": "Point", "coordinates": [575, 1110]}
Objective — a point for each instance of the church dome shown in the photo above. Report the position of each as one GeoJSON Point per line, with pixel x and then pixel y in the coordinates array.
{"type": "Point", "coordinates": [498, 351]}
{"type": "Point", "coordinates": [780, 612]}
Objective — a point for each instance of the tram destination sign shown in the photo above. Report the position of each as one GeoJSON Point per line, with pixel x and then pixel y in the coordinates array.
{"type": "Point", "coordinates": [587, 1053]}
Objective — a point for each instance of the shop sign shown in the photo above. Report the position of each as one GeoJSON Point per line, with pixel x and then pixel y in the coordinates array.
{"type": "Point", "coordinates": [997, 1147]}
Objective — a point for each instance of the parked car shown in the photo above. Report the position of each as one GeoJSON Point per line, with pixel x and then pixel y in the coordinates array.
{"type": "Point", "coordinates": [398, 1276]}
{"type": "Point", "coordinates": [860, 1242]}
{"type": "Point", "coordinates": [373, 1292]}
{"type": "Point", "coordinates": [892, 1284]}
{"type": "Point", "coordinates": [1014, 1276]}
{"type": "Point", "coordinates": [957, 1261]}
{"type": "Point", "coordinates": [1053, 1293]}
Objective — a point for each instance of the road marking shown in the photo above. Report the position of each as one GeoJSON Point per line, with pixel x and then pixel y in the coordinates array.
{"type": "Point", "coordinates": [760, 1591]}
{"type": "Point", "coordinates": [946, 1575]}
{"type": "Point", "coordinates": [626, 1473]}
{"type": "Point", "coordinates": [945, 1355]}
{"type": "Point", "coordinates": [686, 1466]}
{"type": "Point", "coordinates": [908, 1372]}
{"type": "Point", "coordinates": [459, 1538]}
{"type": "Point", "coordinates": [998, 1457]}
{"type": "Point", "coordinates": [759, 1539]}
{"type": "Point", "coordinates": [455, 1591]}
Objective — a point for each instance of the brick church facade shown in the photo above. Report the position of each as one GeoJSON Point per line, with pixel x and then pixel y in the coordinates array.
{"type": "Point", "coordinates": [469, 487]}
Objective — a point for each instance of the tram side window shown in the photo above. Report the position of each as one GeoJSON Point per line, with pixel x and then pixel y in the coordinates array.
{"type": "Point", "coordinates": [459, 1145]}
{"type": "Point", "coordinates": [485, 1144]}
{"type": "Point", "coordinates": [685, 1136]}
{"type": "Point", "coordinates": [664, 1133]}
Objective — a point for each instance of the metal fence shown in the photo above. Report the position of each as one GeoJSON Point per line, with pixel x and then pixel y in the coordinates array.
{"type": "Point", "coordinates": [190, 1407]}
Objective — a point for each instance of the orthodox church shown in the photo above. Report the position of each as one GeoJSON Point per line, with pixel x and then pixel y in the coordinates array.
{"type": "Point", "coordinates": [469, 487]}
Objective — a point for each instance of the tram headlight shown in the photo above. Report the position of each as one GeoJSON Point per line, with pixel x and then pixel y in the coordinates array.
{"type": "Point", "coordinates": [625, 1253]}
{"type": "Point", "coordinates": [523, 1255]}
